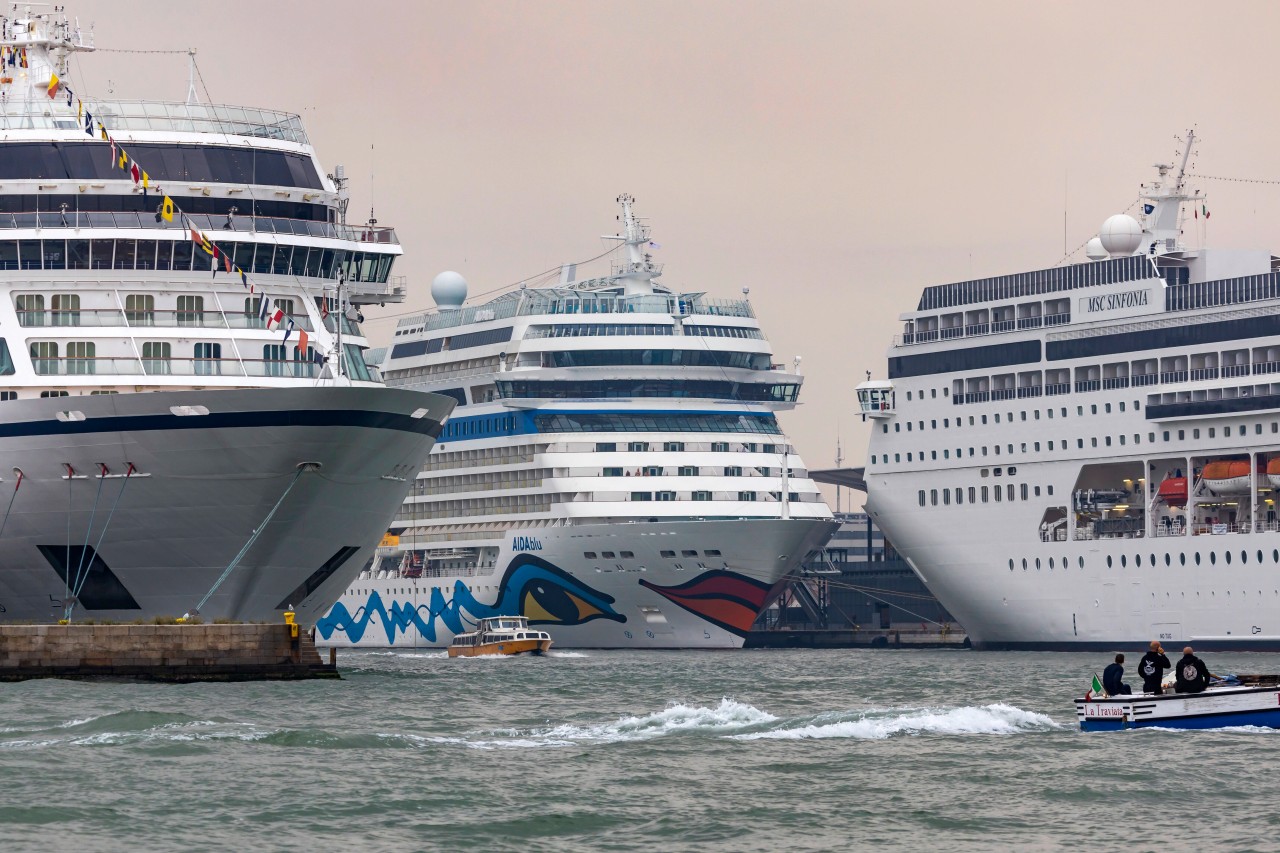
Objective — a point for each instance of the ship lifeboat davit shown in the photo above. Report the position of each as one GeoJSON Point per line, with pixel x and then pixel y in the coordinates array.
{"type": "Point", "coordinates": [1227, 478]}
{"type": "Point", "coordinates": [1173, 491]}
{"type": "Point", "coordinates": [1273, 472]}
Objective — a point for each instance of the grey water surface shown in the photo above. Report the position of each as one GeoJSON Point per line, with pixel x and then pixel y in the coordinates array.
{"type": "Point", "coordinates": [668, 751]}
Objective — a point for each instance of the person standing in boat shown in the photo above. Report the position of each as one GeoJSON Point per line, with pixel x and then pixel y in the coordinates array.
{"type": "Point", "coordinates": [1192, 674]}
{"type": "Point", "coordinates": [1113, 679]}
{"type": "Point", "coordinates": [1152, 667]}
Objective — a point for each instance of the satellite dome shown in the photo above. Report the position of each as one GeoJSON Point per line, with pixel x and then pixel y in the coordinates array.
{"type": "Point", "coordinates": [1095, 250]}
{"type": "Point", "coordinates": [449, 290]}
{"type": "Point", "coordinates": [1121, 234]}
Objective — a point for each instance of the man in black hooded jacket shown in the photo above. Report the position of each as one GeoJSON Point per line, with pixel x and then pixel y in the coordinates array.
{"type": "Point", "coordinates": [1151, 668]}
{"type": "Point", "coordinates": [1192, 674]}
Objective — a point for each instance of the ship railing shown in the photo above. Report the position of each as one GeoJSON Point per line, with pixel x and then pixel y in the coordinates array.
{"type": "Point", "coordinates": [1115, 382]}
{"type": "Point", "coordinates": [577, 304]}
{"type": "Point", "coordinates": [1235, 370]}
{"type": "Point", "coordinates": [1173, 376]}
{"type": "Point", "coordinates": [61, 319]}
{"type": "Point", "coordinates": [1055, 388]}
{"type": "Point", "coordinates": [1266, 367]}
{"type": "Point", "coordinates": [128, 366]}
{"type": "Point", "coordinates": [1088, 385]}
{"type": "Point", "coordinates": [168, 116]}
{"type": "Point", "coordinates": [206, 222]}
{"type": "Point", "coordinates": [1031, 391]}
{"type": "Point", "coordinates": [146, 318]}
{"type": "Point", "coordinates": [1139, 379]}
{"type": "Point", "coordinates": [974, 330]}
{"type": "Point", "coordinates": [1201, 373]}
{"type": "Point", "coordinates": [1004, 394]}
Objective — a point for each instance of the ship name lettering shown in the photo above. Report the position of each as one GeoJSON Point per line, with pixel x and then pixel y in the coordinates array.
{"type": "Point", "coordinates": [525, 543]}
{"type": "Point", "coordinates": [1112, 301]}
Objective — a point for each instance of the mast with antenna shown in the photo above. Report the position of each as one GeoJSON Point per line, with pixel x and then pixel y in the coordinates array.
{"type": "Point", "coordinates": [192, 97]}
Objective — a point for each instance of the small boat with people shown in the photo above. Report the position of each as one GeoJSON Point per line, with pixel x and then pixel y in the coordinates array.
{"type": "Point", "coordinates": [500, 635]}
{"type": "Point", "coordinates": [1227, 701]}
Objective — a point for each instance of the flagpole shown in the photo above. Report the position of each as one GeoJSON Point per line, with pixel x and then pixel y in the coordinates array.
{"type": "Point", "coordinates": [337, 323]}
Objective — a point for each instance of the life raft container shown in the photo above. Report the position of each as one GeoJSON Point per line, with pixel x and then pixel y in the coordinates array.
{"type": "Point", "coordinates": [1173, 491]}
{"type": "Point", "coordinates": [1227, 478]}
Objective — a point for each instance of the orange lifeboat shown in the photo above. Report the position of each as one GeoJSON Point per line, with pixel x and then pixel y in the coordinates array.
{"type": "Point", "coordinates": [1227, 478]}
{"type": "Point", "coordinates": [1273, 472]}
{"type": "Point", "coordinates": [1173, 491]}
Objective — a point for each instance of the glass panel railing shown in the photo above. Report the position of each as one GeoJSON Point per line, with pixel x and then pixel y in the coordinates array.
{"type": "Point", "coordinates": [86, 317]}
{"type": "Point", "coordinates": [86, 366]}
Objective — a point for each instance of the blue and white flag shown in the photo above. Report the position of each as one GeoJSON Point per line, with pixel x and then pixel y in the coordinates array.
{"type": "Point", "coordinates": [288, 330]}
{"type": "Point", "coordinates": [263, 308]}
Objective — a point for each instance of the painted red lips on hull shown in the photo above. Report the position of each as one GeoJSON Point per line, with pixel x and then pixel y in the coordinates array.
{"type": "Point", "coordinates": [726, 599]}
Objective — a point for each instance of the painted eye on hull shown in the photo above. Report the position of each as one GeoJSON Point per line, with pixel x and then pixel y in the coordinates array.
{"type": "Point", "coordinates": [546, 594]}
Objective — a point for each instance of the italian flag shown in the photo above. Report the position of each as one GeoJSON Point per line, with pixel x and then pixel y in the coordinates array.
{"type": "Point", "coordinates": [1096, 691]}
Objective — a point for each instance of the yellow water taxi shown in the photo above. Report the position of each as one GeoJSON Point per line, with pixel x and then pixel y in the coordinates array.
{"type": "Point", "coordinates": [500, 635]}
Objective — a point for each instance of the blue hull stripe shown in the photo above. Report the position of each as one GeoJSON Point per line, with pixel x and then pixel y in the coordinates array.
{"type": "Point", "coordinates": [225, 420]}
{"type": "Point", "coordinates": [1263, 718]}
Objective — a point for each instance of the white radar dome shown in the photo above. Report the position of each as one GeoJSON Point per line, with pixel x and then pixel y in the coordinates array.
{"type": "Point", "coordinates": [449, 290]}
{"type": "Point", "coordinates": [1095, 250]}
{"type": "Point", "coordinates": [1121, 234]}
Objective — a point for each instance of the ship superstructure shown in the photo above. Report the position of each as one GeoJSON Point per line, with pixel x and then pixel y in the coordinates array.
{"type": "Point", "coordinates": [152, 409]}
{"type": "Point", "coordinates": [1090, 454]}
{"type": "Point", "coordinates": [615, 467]}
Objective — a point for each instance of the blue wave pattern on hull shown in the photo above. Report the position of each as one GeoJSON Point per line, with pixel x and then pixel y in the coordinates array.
{"type": "Point", "coordinates": [531, 587]}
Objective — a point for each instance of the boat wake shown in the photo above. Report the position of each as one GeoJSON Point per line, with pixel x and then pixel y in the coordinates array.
{"type": "Point", "coordinates": [997, 719]}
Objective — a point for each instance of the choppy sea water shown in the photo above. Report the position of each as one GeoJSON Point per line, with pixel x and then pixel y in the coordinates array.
{"type": "Point", "coordinates": [695, 751]}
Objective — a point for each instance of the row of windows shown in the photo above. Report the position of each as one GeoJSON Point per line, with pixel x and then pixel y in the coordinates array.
{"type": "Point", "coordinates": [183, 255]}
{"type": "Point", "coordinates": [674, 388]}
{"type": "Point", "coordinates": [627, 555]}
{"type": "Point", "coordinates": [482, 426]}
{"type": "Point", "coordinates": [982, 494]}
{"type": "Point", "coordinates": [1152, 561]}
{"type": "Point", "coordinates": [707, 496]}
{"type": "Point", "coordinates": [593, 330]}
{"type": "Point", "coordinates": [975, 420]}
{"type": "Point", "coordinates": [679, 447]}
{"type": "Point", "coordinates": [661, 357]}
{"type": "Point", "coordinates": [91, 159]}
{"type": "Point", "coordinates": [409, 349]}
{"type": "Point", "coordinates": [723, 332]}
{"type": "Point", "coordinates": [127, 211]}
{"type": "Point", "coordinates": [1090, 274]}
{"type": "Point", "coordinates": [693, 471]}
{"type": "Point", "coordinates": [80, 358]}
{"type": "Point", "coordinates": [765, 424]}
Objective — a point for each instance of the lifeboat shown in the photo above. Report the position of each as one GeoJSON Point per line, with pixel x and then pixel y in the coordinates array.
{"type": "Point", "coordinates": [1273, 472]}
{"type": "Point", "coordinates": [1226, 478]}
{"type": "Point", "coordinates": [1173, 491]}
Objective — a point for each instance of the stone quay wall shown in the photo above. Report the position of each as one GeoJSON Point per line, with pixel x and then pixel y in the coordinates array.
{"type": "Point", "coordinates": [215, 652]}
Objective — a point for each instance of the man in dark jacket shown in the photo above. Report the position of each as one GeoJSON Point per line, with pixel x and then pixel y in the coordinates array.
{"type": "Point", "coordinates": [1112, 679]}
{"type": "Point", "coordinates": [1192, 674]}
{"type": "Point", "coordinates": [1151, 668]}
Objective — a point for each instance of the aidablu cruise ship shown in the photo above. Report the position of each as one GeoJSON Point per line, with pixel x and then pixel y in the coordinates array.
{"type": "Point", "coordinates": [165, 446]}
{"type": "Point", "coordinates": [615, 470]}
{"type": "Point", "coordinates": [1089, 455]}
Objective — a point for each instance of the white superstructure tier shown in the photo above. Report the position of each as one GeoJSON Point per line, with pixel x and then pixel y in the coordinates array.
{"type": "Point", "coordinates": [151, 416]}
{"type": "Point", "coordinates": [1080, 456]}
{"type": "Point", "coordinates": [615, 440]}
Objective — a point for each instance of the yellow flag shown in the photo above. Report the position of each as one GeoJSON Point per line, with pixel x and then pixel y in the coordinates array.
{"type": "Point", "coordinates": [123, 159]}
{"type": "Point", "coordinates": [79, 109]}
{"type": "Point", "coordinates": [146, 181]}
{"type": "Point", "coordinates": [166, 210]}
{"type": "Point", "coordinates": [105, 138]}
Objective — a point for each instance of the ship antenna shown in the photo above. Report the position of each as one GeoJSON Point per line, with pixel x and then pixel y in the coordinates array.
{"type": "Point", "coordinates": [192, 97]}
{"type": "Point", "coordinates": [1186, 155]}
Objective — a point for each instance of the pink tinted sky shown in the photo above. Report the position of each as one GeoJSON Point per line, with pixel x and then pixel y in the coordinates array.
{"type": "Point", "coordinates": [835, 157]}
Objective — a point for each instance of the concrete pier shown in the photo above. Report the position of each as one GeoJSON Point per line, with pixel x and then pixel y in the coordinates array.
{"type": "Point", "coordinates": [173, 653]}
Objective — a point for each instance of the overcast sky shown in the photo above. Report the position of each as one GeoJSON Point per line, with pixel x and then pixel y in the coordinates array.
{"type": "Point", "coordinates": [835, 157]}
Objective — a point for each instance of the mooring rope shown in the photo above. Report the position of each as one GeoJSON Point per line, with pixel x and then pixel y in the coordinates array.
{"type": "Point", "coordinates": [69, 605]}
{"type": "Point", "coordinates": [12, 498]}
{"type": "Point", "coordinates": [249, 544]}
{"type": "Point", "coordinates": [75, 595]}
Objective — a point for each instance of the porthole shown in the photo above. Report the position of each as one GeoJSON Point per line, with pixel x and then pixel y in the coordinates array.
{"type": "Point", "coordinates": [1024, 564]}
{"type": "Point", "coordinates": [1197, 558]}
{"type": "Point", "coordinates": [1226, 555]}
{"type": "Point", "coordinates": [1137, 560]}
{"type": "Point", "coordinates": [1275, 556]}
{"type": "Point", "coordinates": [1244, 557]}
{"type": "Point", "coordinates": [1081, 561]}
{"type": "Point", "coordinates": [1168, 560]}
{"type": "Point", "coordinates": [1153, 561]}
{"type": "Point", "coordinates": [1182, 559]}
{"type": "Point", "coordinates": [1037, 564]}
{"type": "Point", "coordinates": [1213, 558]}
{"type": "Point", "coordinates": [1259, 560]}
{"type": "Point", "coordinates": [1010, 564]}
{"type": "Point", "coordinates": [1051, 564]}
{"type": "Point", "coordinates": [1108, 561]}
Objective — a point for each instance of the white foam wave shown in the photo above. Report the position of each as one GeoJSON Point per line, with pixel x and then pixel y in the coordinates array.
{"type": "Point", "coordinates": [997, 719]}
{"type": "Point", "coordinates": [676, 718]}
{"type": "Point", "coordinates": [566, 655]}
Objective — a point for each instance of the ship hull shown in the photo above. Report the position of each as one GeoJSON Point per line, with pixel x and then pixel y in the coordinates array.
{"type": "Point", "coordinates": [199, 487]}
{"type": "Point", "coordinates": [647, 600]}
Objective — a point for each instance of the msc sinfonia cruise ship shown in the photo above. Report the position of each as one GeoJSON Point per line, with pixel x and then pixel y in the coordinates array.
{"type": "Point", "coordinates": [1089, 455]}
{"type": "Point", "coordinates": [614, 470]}
{"type": "Point", "coordinates": [186, 420]}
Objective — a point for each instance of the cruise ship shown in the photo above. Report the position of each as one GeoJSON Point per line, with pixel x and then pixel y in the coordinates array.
{"type": "Point", "coordinates": [187, 423]}
{"type": "Point", "coordinates": [615, 470]}
{"type": "Point", "coordinates": [1089, 455]}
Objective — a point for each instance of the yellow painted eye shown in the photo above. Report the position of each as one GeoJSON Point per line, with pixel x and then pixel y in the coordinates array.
{"type": "Point", "coordinates": [542, 604]}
